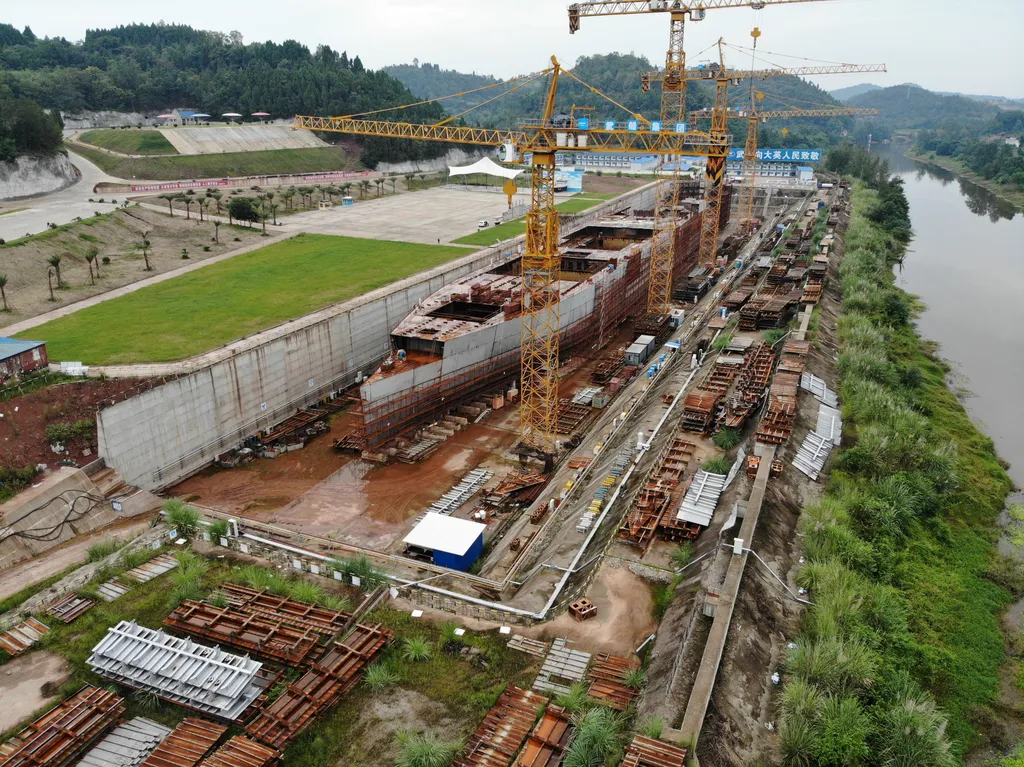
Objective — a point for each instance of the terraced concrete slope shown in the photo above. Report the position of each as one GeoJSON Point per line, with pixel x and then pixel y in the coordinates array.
{"type": "Point", "coordinates": [239, 138]}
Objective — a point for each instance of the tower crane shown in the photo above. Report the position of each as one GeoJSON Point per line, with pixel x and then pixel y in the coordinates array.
{"type": "Point", "coordinates": [715, 172]}
{"type": "Point", "coordinates": [673, 112]}
{"type": "Point", "coordinates": [754, 117]}
{"type": "Point", "coordinates": [541, 261]}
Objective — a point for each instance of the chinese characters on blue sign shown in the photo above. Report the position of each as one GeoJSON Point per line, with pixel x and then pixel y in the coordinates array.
{"type": "Point", "coordinates": [780, 155]}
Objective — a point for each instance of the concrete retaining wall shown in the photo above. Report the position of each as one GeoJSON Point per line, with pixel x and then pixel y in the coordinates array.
{"type": "Point", "coordinates": [104, 119]}
{"type": "Point", "coordinates": [162, 436]}
{"type": "Point", "coordinates": [32, 176]}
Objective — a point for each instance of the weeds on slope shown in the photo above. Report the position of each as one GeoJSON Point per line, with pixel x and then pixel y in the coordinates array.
{"type": "Point", "coordinates": [899, 658]}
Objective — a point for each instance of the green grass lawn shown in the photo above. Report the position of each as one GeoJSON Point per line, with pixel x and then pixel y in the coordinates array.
{"type": "Point", "coordinates": [222, 302]}
{"type": "Point", "coordinates": [184, 167]}
{"type": "Point", "coordinates": [493, 234]}
{"type": "Point", "coordinates": [130, 141]}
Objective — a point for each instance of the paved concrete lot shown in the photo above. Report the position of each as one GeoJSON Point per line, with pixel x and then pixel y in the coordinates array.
{"type": "Point", "coordinates": [427, 216]}
{"type": "Point", "coordinates": [60, 207]}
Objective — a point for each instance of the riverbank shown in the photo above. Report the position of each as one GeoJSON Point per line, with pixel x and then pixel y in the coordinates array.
{"type": "Point", "coordinates": [1002, 191]}
{"type": "Point", "coordinates": [899, 658]}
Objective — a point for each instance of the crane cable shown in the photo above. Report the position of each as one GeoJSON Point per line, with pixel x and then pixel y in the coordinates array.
{"type": "Point", "coordinates": [595, 91]}
{"type": "Point", "coordinates": [531, 76]}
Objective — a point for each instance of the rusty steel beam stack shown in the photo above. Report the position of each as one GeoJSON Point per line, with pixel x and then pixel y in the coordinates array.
{"type": "Point", "coordinates": [777, 423]}
{"type": "Point", "coordinates": [18, 639]}
{"type": "Point", "coordinates": [699, 410]}
{"type": "Point", "coordinates": [659, 492]}
{"type": "Point", "coordinates": [753, 382]}
{"type": "Point", "coordinates": [649, 752]}
{"type": "Point", "coordinates": [61, 734]}
{"type": "Point", "coordinates": [70, 607]}
{"type": "Point", "coordinates": [572, 416]}
{"type": "Point", "coordinates": [242, 752]}
{"type": "Point", "coordinates": [504, 729]}
{"type": "Point", "coordinates": [261, 636]}
{"type": "Point", "coordinates": [302, 615]}
{"type": "Point", "coordinates": [607, 675]}
{"type": "Point", "coordinates": [606, 368]}
{"type": "Point", "coordinates": [337, 672]}
{"type": "Point", "coordinates": [187, 744]}
{"type": "Point", "coordinates": [548, 741]}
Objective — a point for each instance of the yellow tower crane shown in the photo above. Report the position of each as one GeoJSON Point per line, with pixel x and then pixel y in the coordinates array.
{"type": "Point", "coordinates": [541, 262]}
{"type": "Point", "coordinates": [673, 112]}
{"type": "Point", "coordinates": [754, 117]}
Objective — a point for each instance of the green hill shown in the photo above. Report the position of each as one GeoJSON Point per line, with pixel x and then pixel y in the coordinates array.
{"type": "Point", "coordinates": [847, 93]}
{"type": "Point", "coordinates": [910, 106]}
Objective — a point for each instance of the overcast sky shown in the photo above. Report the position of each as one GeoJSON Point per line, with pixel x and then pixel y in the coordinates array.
{"type": "Point", "coordinates": [945, 45]}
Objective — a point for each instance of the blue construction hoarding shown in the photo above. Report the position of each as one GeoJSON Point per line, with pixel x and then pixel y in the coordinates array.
{"type": "Point", "coordinates": [780, 155]}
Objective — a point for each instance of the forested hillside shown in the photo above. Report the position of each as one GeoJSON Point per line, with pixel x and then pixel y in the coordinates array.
{"type": "Point", "coordinates": [618, 76]}
{"type": "Point", "coordinates": [982, 149]}
{"type": "Point", "coordinates": [910, 106]}
{"type": "Point", "coordinates": [25, 128]}
{"type": "Point", "coordinates": [154, 67]}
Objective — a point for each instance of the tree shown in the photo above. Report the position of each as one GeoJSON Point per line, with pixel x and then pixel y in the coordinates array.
{"type": "Point", "coordinates": [242, 209]}
{"type": "Point", "coordinates": [216, 232]}
{"type": "Point", "coordinates": [363, 186]}
{"type": "Point", "coordinates": [54, 261]}
{"type": "Point", "coordinates": [90, 259]}
{"type": "Point", "coordinates": [49, 281]}
{"type": "Point", "coordinates": [145, 245]}
{"type": "Point", "coordinates": [380, 185]}
{"type": "Point", "coordinates": [273, 209]}
{"type": "Point", "coordinates": [423, 177]}
{"type": "Point", "coordinates": [217, 198]}
{"type": "Point", "coordinates": [408, 181]}
{"type": "Point", "coordinates": [3, 293]}
{"type": "Point", "coordinates": [170, 202]}
{"type": "Point", "coordinates": [187, 202]}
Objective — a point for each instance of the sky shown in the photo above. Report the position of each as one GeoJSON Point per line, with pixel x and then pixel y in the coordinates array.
{"type": "Point", "coordinates": [943, 45]}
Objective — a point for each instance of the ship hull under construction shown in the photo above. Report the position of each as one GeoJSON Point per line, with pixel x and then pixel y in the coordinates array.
{"type": "Point", "coordinates": [464, 340]}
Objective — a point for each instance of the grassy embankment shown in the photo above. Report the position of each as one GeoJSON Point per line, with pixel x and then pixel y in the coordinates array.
{"type": "Point", "coordinates": [1007, 192]}
{"type": "Point", "coordinates": [509, 229]}
{"type": "Point", "coordinates": [899, 554]}
{"type": "Point", "coordinates": [219, 303]}
{"type": "Point", "coordinates": [183, 167]}
{"type": "Point", "coordinates": [129, 141]}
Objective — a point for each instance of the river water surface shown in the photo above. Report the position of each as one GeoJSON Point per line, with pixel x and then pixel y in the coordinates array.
{"type": "Point", "coordinates": [966, 263]}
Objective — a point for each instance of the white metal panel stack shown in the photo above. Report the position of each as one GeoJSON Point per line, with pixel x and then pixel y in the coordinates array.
{"type": "Point", "coordinates": [204, 678]}
{"type": "Point", "coordinates": [462, 492]}
{"type": "Point", "coordinates": [813, 453]}
{"type": "Point", "coordinates": [830, 424]}
{"type": "Point", "coordinates": [817, 387]}
{"type": "Point", "coordinates": [561, 669]}
{"type": "Point", "coordinates": [701, 498]}
{"type": "Point", "coordinates": [127, 745]}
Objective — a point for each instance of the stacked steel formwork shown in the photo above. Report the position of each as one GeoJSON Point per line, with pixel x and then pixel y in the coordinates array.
{"type": "Point", "coordinates": [660, 492]}
{"type": "Point", "coordinates": [504, 730]}
{"type": "Point", "coordinates": [242, 752]}
{"type": "Point", "coordinates": [187, 744]}
{"type": "Point", "coordinates": [751, 386]}
{"type": "Point", "coordinates": [61, 734]}
{"type": "Point", "coordinates": [778, 420]}
{"type": "Point", "coordinates": [302, 615]}
{"type": "Point", "coordinates": [330, 677]}
{"type": "Point", "coordinates": [608, 675]}
{"type": "Point", "coordinates": [549, 739]}
{"type": "Point", "coordinates": [699, 409]}
{"type": "Point", "coordinates": [70, 607]}
{"type": "Point", "coordinates": [650, 752]}
{"type": "Point", "coordinates": [263, 637]}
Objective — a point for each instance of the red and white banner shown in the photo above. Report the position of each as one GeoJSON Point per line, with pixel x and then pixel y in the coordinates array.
{"type": "Point", "coordinates": [337, 174]}
{"type": "Point", "coordinates": [180, 185]}
{"type": "Point", "coordinates": [263, 180]}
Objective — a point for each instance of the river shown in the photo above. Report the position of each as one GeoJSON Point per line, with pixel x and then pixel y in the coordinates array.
{"type": "Point", "coordinates": [966, 263]}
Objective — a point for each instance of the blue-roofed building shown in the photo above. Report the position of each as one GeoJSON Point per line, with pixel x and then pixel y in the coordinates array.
{"type": "Point", "coordinates": [19, 356]}
{"type": "Point", "coordinates": [804, 173]}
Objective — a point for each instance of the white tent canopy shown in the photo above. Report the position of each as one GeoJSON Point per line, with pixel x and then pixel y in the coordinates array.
{"type": "Point", "coordinates": [484, 165]}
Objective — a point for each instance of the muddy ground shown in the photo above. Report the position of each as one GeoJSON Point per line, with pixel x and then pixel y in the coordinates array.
{"type": "Point", "coordinates": [23, 420]}
{"type": "Point", "coordinates": [117, 237]}
{"type": "Point", "coordinates": [28, 683]}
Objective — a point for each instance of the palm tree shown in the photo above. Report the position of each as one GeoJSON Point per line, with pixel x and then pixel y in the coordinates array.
{"type": "Point", "coordinates": [363, 186]}
{"type": "Point", "coordinates": [393, 181]}
{"type": "Point", "coordinates": [170, 202]}
{"type": "Point", "coordinates": [145, 246]}
{"type": "Point", "coordinates": [187, 201]}
{"type": "Point", "coordinates": [216, 232]}
{"type": "Point", "coordinates": [3, 294]}
{"type": "Point", "coordinates": [54, 261]}
{"type": "Point", "coordinates": [423, 177]}
{"type": "Point", "coordinates": [331, 190]}
{"type": "Point", "coordinates": [263, 215]}
{"type": "Point", "coordinates": [217, 197]}
{"type": "Point", "coordinates": [90, 258]}
{"type": "Point", "coordinates": [408, 181]}
{"type": "Point", "coordinates": [380, 185]}
{"type": "Point", "coordinates": [287, 197]}
{"type": "Point", "coordinates": [49, 281]}
{"type": "Point", "coordinates": [273, 209]}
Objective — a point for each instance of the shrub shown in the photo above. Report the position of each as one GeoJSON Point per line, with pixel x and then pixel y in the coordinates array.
{"type": "Point", "coordinates": [132, 559]}
{"type": "Point", "coordinates": [576, 700]}
{"type": "Point", "coordinates": [635, 679]}
{"type": "Point", "coordinates": [380, 675]}
{"type": "Point", "coordinates": [652, 728]}
{"type": "Point", "coordinates": [103, 549]}
{"type": "Point", "coordinates": [361, 567]}
{"type": "Point", "coordinates": [188, 590]}
{"type": "Point", "coordinates": [218, 529]}
{"type": "Point", "coordinates": [727, 438]}
{"type": "Point", "coordinates": [334, 602]}
{"type": "Point", "coordinates": [597, 739]}
{"type": "Point", "coordinates": [304, 591]}
{"type": "Point", "coordinates": [256, 577]}
{"type": "Point", "coordinates": [425, 750]}
{"type": "Point", "coordinates": [218, 600]}
{"type": "Point", "coordinates": [662, 596]}
{"type": "Point", "coordinates": [416, 648]}
{"type": "Point", "coordinates": [65, 431]}
{"type": "Point", "coordinates": [106, 259]}
{"type": "Point", "coordinates": [182, 517]}
{"type": "Point", "coordinates": [719, 465]}
{"type": "Point", "coordinates": [682, 555]}
{"type": "Point", "coordinates": [146, 700]}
